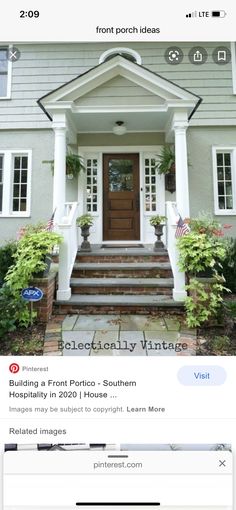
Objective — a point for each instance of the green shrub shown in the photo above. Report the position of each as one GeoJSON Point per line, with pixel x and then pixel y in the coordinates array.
{"type": "Point", "coordinates": [220, 343]}
{"type": "Point", "coordinates": [229, 264]}
{"type": "Point", "coordinates": [13, 311]}
{"type": "Point", "coordinates": [230, 307]}
{"type": "Point", "coordinates": [204, 301]}
{"type": "Point", "coordinates": [30, 258]}
{"type": "Point", "coordinates": [199, 251]}
{"type": "Point", "coordinates": [6, 259]}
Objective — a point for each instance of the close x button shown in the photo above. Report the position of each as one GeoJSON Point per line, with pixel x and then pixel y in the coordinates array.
{"type": "Point", "coordinates": [222, 463]}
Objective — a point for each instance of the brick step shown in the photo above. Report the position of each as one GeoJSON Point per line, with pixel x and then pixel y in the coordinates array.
{"type": "Point", "coordinates": [123, 256]}
{"type": "Point", "coordinates": [118, 304]}
{"type": "Point", "coordinates": [122, 285]}
{"type": "Point", "coordinates": [122, 270]}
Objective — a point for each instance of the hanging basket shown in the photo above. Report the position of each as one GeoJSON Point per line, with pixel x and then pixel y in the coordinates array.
{"type": "Point", "coordinates": [170, 181]}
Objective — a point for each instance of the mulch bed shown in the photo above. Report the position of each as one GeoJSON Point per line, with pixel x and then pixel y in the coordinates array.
{"type": "Point", "coordinates": [216, 342]}
{"type": "Point", "coordinates": [24, 342]}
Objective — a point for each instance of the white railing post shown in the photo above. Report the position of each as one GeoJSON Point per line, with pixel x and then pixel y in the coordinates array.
{"type": "Point", "coordinates": [68, 249]}
{"type": "Point", "coordinates": [179, 292]}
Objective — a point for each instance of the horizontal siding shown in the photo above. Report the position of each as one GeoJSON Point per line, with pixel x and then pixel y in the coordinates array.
{"type": "Point", "coordinates": [119, 101]}
{"type": "Point", "coordinates": [44, 67]}
{"type": "Point", "coordinates": [119, 91]}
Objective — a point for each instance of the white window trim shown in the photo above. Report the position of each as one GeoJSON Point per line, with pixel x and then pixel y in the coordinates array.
{"type": "Point", "coordinates": [8, 183]}
{"type": "Point", "coordinates": [120, 49]}
{"type": "Point", "coordinates": [233, 64]}
{"type": "Point", "coordinates": [9, 77]}
{"type": "Point", "coordinates": [232, 150]}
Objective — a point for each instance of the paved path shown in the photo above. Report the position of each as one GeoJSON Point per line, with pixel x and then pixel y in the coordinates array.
{"type": "Point", "coordinates": [126, 335]}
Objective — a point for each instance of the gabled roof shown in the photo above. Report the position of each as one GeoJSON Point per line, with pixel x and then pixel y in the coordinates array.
{"type": "Point", "coordinates": [173, 95]}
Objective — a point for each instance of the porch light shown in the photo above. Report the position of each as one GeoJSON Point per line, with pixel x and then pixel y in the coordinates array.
{"type": "Point", "coordinates": [119, 128]}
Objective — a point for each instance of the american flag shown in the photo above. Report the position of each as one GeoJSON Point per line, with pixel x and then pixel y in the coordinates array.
{"type": "Point", "coordinates": [50, 224]}
{"type": "Point", "coordinates": [20, 233]}
{"type": "Point", "coordinates": [182, 228]}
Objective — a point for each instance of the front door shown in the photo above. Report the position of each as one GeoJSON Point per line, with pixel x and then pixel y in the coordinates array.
{"type": "Point", "coordinates": [121, 215]}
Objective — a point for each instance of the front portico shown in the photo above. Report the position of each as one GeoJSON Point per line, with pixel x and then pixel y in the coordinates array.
{"type": "Point", "coordinates": [121, 187]}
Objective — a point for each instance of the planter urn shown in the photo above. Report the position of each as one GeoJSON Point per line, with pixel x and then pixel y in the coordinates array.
{"type": "Point", "coordinates": [85, 245]}
{"type": "Point", "coordinates": [159, 233]}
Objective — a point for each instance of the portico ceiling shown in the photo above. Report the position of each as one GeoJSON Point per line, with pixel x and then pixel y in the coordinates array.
{"type": "Point", "coordinates": [104, 122]}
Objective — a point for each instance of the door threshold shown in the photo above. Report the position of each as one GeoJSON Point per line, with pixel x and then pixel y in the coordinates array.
{"type": "Point", "coordinates": [124, 243]}
{"type": "Point", "coordinates": [121, 245]}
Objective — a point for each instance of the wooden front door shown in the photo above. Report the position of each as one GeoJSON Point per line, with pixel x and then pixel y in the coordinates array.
{"type": "Point", "coordinates": [121, 215]}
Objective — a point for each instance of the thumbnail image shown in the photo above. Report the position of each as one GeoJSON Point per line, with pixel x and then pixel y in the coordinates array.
{"type": "Point", "coordinates": [118, 447]}
{"type": "Point", "coordinates": [117, 199]}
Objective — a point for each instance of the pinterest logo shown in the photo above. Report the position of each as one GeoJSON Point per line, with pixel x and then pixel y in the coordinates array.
{"type": "Point", "coordinates": [14, 368]}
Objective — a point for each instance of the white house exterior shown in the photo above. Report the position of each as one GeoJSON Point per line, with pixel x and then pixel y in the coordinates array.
{"type": "Point", "coordinates": [60, 98]}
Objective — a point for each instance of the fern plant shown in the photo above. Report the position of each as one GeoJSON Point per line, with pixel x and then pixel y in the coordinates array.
{"type": "Point", "coordinates": [166, 160]}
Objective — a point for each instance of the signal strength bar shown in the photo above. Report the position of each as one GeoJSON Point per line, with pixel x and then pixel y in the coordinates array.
{"type": "Point", "coordinates": [192, 14]}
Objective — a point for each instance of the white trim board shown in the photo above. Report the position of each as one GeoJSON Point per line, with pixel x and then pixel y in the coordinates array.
{"type": "Point", "coordinates": [232, 150]}
{"type": "Point", "coordinates": [119, 148]}
{"type": "Point", "coordinates": [9, 75]}
{"type": "Point", "coordinates": [118, 66]}
{"type": "Point", "coordinates": [143, 151]}
{"type": "Point", "coordinates": [120, 49]}
{"type": "Point", "coordinates": [8, 183]}
{"type": "Point", "coordinates": [233, 64]}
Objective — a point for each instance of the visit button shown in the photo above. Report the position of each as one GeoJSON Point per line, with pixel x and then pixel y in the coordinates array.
{"type": "Point", "coordinates": [202, 375]}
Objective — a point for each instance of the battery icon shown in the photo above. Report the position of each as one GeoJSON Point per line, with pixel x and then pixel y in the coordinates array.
{"type": "Point", "coordinates": [218, 14]}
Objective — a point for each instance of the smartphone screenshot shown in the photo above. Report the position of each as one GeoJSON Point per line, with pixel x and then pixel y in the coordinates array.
{"type": "Point", "coordinates": [117, 255]}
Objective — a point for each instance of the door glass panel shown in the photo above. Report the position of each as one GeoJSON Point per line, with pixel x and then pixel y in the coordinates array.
{"type": "Point", "coordinates": [121, 175]}
{"type": "Point", "coordinates": [91, 184]}
{"type": "Point", "coordinates": [150, 196]}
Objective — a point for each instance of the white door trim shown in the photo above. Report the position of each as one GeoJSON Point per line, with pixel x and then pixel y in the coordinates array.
{"type": "Point", "coordinates": [141, 150]}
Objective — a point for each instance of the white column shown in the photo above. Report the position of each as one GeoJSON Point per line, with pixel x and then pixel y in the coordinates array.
{"type": "Point", "coordinates": [59, 177]}
{"type": "Point", "coordinates": [181, 167]}
{"type": "Point", "coordinates": [179, 127]}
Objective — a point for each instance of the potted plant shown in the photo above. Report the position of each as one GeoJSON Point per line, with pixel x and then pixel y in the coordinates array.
{"type": "Point", "coordinates": [166, 166]}
{"type": "Point", "coordinates": [85, 222]}
{"type": "Point", "coordinates": [74, 165]}
{"type": "Point", "coordinates": [158, 222]}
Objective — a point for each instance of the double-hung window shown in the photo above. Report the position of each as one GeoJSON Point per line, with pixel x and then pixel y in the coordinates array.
{"type": "Point", "coordinates": [1, 180]}
{"type": "Point", "coordinates": [5, 74]}
{"type": "Point", "coordinates": [224, 180]}
{"type": "Point", "coordinates": [15, 182]}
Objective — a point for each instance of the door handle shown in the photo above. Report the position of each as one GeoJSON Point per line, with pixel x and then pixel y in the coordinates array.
{"type": "Point", "coordinates": [137, 202]}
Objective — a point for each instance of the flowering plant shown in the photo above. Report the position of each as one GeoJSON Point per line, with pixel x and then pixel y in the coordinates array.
{"type": "Point", "coordinates": [205, 224]}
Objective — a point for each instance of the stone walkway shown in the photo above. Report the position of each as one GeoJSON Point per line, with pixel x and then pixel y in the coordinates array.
{"type": "Point", "coordinates": [119, 335]}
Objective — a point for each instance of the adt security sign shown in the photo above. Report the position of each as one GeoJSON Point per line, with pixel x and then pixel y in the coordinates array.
{"type": "Point", "coordinates": [32, 294]}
